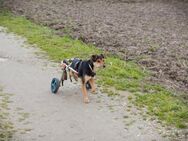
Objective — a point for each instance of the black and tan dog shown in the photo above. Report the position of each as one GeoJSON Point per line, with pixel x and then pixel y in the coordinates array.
{"type": "Point", "coordinates": [86, 72]}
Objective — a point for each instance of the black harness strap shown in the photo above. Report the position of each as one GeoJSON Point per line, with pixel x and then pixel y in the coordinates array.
{"type": "Point", "coordinates": [91, 66]}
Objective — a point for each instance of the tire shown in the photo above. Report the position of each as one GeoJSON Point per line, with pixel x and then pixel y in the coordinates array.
{"type": "Point", "coordinates": [88, 86]}
{"type": "Point", "coordinates": [55, 84]}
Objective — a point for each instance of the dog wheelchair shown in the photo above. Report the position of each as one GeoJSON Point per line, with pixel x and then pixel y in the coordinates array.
{"type": "Point", "coordinates": [56, 83]}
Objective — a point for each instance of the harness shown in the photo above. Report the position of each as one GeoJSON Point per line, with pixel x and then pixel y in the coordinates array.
{"type": "Point", "coordinates": [80, 66]}
{"type": "Point", "coordinates": [93, 73]}
{"type": "Point", "coordinates": [77, 66]}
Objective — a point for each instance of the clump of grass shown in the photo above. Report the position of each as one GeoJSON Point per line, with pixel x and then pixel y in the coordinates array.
{"type": "Point", "coordinates": [130, 97]}
{"type": "Point", "coordinates": [162, 104]}
{"type": "Point", "coordinates": [125, 116]}
{"type": "Point", "coordinates": [121, 75]}
{"type": "Point", "coordinates": [118, 74]}
{"type": "Point", "coordinates": [6, 127]}
{"type": "Point", "coordinates": [110, 92]}
{"type": "Point", "coordinates": [23, 117]}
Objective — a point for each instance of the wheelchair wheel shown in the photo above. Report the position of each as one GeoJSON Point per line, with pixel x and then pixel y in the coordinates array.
{"type": "Point", "coordinates": [88, 86]}
{"type": "Point", "coordinates": [55, 84]}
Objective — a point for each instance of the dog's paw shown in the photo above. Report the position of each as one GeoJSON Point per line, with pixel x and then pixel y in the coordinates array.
{"type": "Point", "coordinates": [93, 91]}
{"type": "Point", "coordinates": [86, 100]}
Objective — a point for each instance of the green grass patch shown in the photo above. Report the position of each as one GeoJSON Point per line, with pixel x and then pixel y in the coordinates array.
{"type": "Point", "coordinates": [57, 47]}
{"type": "Point", "coordinates": [121, 75]}
{"type": "Point", "coordinates": [162, 104]}
{"type": "Point", "coordinates": [118, 74]}
{"type": "Point", "coordinates": [6, 127]}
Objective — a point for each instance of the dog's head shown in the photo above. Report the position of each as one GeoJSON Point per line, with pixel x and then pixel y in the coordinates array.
{"type": "Point", "coordinates": [98, 60]}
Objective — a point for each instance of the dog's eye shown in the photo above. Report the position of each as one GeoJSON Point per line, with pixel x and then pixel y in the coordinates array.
{"type": "Point", "coordinates": [98, 61]}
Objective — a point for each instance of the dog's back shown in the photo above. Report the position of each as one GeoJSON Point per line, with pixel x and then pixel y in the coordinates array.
{"type": "Point", "coordinates": [75, 63]}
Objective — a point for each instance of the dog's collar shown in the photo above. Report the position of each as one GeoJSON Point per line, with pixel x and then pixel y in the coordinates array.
{"type": "Point", "coordinates": [90, 67]}
{"type": "Point", "coordinates": [93, 73]}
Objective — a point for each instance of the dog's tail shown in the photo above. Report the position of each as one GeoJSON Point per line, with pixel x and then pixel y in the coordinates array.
{"type": "Point", "coordinates": [63, 62]}
{"type": "Point", "coordinates": [67, 61]}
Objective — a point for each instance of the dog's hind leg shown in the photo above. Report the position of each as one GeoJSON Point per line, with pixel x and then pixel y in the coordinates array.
{"type": "Point", "coordinates": [70, 75]}
{"type": "Point", "coordinates": [75, 77]}
{"type": "Point", "coordinates": [92, 83]}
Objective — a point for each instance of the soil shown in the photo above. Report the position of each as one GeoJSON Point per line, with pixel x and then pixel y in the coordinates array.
{"type": "Point", "coordinates": [153, 33]}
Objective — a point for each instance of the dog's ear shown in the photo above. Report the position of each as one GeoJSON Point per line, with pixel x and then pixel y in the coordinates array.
{"type": "Point", "coordinates": [94, 58]}
{"type": "Point", "coordinates": [102, 56]}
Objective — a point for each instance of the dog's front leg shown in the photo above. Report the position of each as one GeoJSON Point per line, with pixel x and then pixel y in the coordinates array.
{"type": "Point", "coordinates": [92, 83]}
{"type": "Point", "coordinates": [84, 92]}
{"type": "Point", "coordinates": [85, 79]}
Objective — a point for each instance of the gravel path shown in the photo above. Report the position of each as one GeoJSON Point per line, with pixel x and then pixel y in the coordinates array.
{"type": "Point", "coordinates": [39, 115]}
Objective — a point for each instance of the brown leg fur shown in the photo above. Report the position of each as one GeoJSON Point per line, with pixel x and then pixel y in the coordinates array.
{"type": "Point", "coordinates": [75, 77]}
{"type": "Point", "coordinates": [70, 75]}
{"type": "Point", "coordinates": [92, 83]}
{"type": "Point", "coordinates": [84, 90]}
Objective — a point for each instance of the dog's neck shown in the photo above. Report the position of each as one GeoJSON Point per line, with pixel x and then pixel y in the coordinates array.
{"type": "Point", "coordinates": [91, 65]}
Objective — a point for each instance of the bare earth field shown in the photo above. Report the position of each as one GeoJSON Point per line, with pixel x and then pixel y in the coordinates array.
{"type": "Point", "coordinates": [152, 33]}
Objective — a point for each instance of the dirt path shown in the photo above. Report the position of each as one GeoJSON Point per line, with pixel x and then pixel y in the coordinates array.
{"type": "Point", "coordinates": [39, 115]}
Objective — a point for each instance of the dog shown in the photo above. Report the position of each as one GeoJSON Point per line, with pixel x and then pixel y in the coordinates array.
{"type": "Point", "coordinates": [86, 71]}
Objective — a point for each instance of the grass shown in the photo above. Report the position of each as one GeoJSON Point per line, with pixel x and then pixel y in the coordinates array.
{"type": "Point", "coordinates": [121, 75]}
{"type": "Point", "coordinates": [162, 104]}
{"type": "Point", "coordinates": [118, 74]}
{"type": "Point", "coordinates": [6, 127]}
{"type": "Point", "coordinates": [45, 38]}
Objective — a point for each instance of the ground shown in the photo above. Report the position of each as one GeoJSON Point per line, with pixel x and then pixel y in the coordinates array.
{"type": "Point", "coordinates": [152, 33]}
{"type": "Point", "coordinates": [37, 114]}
